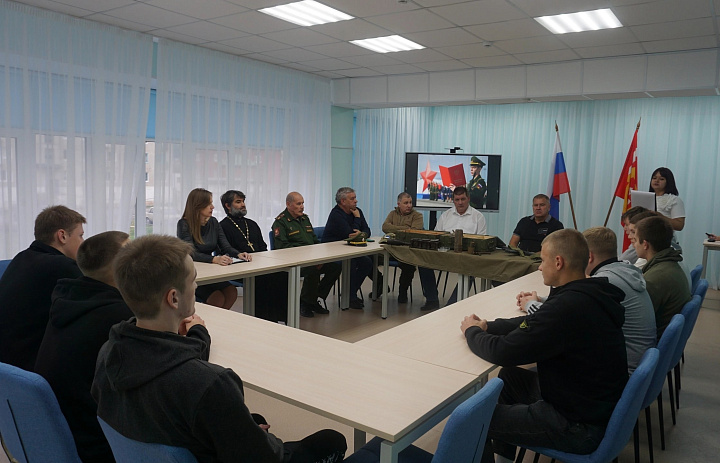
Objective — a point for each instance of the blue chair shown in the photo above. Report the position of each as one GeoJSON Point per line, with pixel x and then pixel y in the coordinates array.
{"type": "Point", "coordinates": [622, 420]}
{"type": "Point", "coordinates": [690, 312]}
{"type": "Point", "coordinates": [462, 440]}
{"type": "Point", "coordinates": [128, 450]}
{"type": "Point", "coordinates": [4, 265]}
{"type": "Point", "coordinates": [667, 345]}
{"type": "Point", "coordinates": [695, 277]}
{"type": "Point", "coordinates": [32, 426]}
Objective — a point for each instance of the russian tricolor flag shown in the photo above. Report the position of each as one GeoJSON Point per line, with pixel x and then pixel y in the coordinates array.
{"type": "Point", "coordinates": [558, 183]}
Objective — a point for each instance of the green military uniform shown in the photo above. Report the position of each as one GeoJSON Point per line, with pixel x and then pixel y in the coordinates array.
{"type": "Point", "coordinates": [477, 188]}
{"type": "Point", "coordinates": [291, 232]}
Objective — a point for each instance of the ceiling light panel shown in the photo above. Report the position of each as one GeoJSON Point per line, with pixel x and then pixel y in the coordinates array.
{"type": "Point", "coordinates": [580, 22]}
{"type": "Point", "coordinates": [389, 44]}
{"type": "Point", "coordinates": [306, 13]}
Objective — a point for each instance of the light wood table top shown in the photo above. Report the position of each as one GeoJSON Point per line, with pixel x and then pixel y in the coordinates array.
{"type": "Point", "coordinates": [324, 252]}
{"type": "Point", "coordinates": [262, 262]}
{"type": "Point", "coordinates": [372, 391]}
{"type": "Point", "coordinates": [436, 337]}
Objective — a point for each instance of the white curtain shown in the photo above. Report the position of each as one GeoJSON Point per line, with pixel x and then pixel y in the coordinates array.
{"type": "Point", "coordinates": [73, 113]}
{"type": "Point", "coordinates": [679, 133]}
{"type": "Point", "coordinates": [382, 136]}
{"type": "Point", "coordinates": [225, 122]}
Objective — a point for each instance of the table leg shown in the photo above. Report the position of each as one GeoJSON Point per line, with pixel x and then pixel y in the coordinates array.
{"type": "Point", "coordinates": [386, 258]}
{"type": "Point", "coordinates": [375, 279]}
{"type": "Point", "coordinates": [293, 318]}
{"type": "Point", "coordinates": [345, 285]}
{"type": "Point", "coordinates": [462, 287]}
{"type": "Point", "coordinates": [249, 296]}
{"type": "Point", "coordinates": [389, 453]}
{"type": "Point", "coordinates": [359, 439]}
{"type": "Point", "coordinates": [704, 262]}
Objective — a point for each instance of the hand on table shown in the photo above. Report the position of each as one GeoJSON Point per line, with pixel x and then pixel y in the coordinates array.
{"type": "Point", "coordinates": [355, 233]}
{"type": "Point", "coordinates": [473, 320]}
{"type": "Point", "coordinates": [524, 297]}
{"type": "Point", "coordinates": [245, 256]}
{"type": "Point", "coordinates": [222, 260]}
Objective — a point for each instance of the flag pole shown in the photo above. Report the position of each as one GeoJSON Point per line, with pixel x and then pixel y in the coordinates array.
{"type": "Point", "coordinates": [572, 209]}
{"type": "Point", "coordinates": [607, 218]}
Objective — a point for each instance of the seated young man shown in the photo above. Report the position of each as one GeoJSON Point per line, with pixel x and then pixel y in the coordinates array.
{"type": "Point", "coordinates": [153, 381]}
{"type": "Point", "coordinates": [28, 282]}
{"type": "Point", "coordinates": [577, 341]}
{"type": "Point", "coordinates": [82, 313]}
{"type": "Point", "coordinates": [666, 281]}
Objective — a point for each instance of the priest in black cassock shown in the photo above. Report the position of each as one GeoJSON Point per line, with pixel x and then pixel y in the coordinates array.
{"type": "Point", "coordinates": [245, 235]}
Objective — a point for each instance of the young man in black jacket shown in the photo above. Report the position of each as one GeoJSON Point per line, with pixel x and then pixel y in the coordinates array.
{"type": "Point", "coordinates": [153, 381]}
{"type": "Point", "coordinates": [578, 344]}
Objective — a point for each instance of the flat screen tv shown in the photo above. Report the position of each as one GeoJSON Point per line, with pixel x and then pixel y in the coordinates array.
{"type": "Point", "coordinates": [431, 177]}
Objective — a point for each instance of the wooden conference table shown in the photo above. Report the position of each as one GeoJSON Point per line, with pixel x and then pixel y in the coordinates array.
{"type": "Point", "coordinates": [394, 397]}
{"type": "Point", "coordinates": [708, 246]}
{"type": "Point", "coordinates": [292, 260]}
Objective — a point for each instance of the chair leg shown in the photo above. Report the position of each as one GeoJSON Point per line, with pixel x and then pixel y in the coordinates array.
{"type": "Point", "coordinates": [394, 278]}
{"type": "Point", "coordinates": [636, 441]}
{"type": "Point", "coordinates": [683, 357]}
{"type": "Point", "coordinates": [662, 421]}
{"type": "Point", "coordinates": [520, 455]}
{"type": "Point", "coordinates": [677, 386]}
{"type": "Point", "coordinates": [447, 274]}
{"type": "Point", "coordinates": [648, 423]}
{"type": "Point", "coordinates": [672, 396]}
{"type": "Point", "coordinates": [537, 458]}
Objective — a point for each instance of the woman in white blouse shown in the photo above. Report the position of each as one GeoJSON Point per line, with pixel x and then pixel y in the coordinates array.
{"type": "Point", "coordinates": [667, 197]}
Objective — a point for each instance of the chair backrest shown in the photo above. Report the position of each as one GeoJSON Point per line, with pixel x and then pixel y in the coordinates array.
{"type": "Point", "coordinates": [3, 265]}
{"type": "Point", "coordinates": [690, 312]}
{"type": "Point", "coordinates": [128, 450]}
{"type": "Point", "coordinates": [622, 421]}
{"type": "Point", "coordinates": [666, 347]}
{"type": "Point", "coordinates": [695, 276]}
{"type": "Point", "coordinates": [319, 232]}
{"type": "Point", "coordinates": [701, 290]}
{"type": "Point", "coordinates": [463, 438]}
{"type": "Point", "coordinates": [271, 239]}
{"type": "Point", "coordinates": [31, 422]}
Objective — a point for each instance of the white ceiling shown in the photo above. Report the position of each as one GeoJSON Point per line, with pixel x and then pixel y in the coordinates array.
{"type": "Point", "coordinates": [455, 32]}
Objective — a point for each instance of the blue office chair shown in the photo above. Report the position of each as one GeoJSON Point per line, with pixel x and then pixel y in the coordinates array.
{"type": "Point", "coordinates": [622, 420]}
{"type": "Point", "coordinates": [690, 312]}
{"type": "Point", "coordinates": [695, 277]}
{"type": "Point", "coordinates": [4, 265]}
{"type": "Point", "coordinates": [462, 440]}
{"type": "Point", "coordinates": [666, 347]}
{"type": "Point", "coordinates": [32, 426]}
{"type": "Point", "coordinates": [128, 450]}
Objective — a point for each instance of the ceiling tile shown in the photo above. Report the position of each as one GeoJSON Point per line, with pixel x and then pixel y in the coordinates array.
{"type": "Point", "coordinates": [688, 92]}
{"type": "Point", "coordinates": [358, 72]}
{"type": "Point", "coordinates": [429, 3]}
{"type": "Point", "coordinates": [364, 8]}
{"type": "Point", "coordinates": [561, 98]}
{"type": "Point", "coordinates": [674, 30]}
{"type": "Point", "coordinates": [473, 50]}
{"type": "Point", "coordinates": [547, 56]}
{"type": "Point", "coordinates": [373, 60]}
{"type": "Point", "coordinates": [492, 61]}
{"type": "Point", "coordinates": [301, 67]}
{"type": "Point", "coordinates": [420, 56]}
{"type": "Point", "coordinates": [265, 58]}
{"type": "Point", "coordinates": [294, 55]}
{"type": "Point", "coordinates": [619, 96]}
{"type": "Point", "coordinates": [450, 65]}
{"type": "Point", "coordinates": [253, 22]}
{"type": "Point", "coordinates": [330, 74]}
{"type": "Point", "coordinates": [300, 37]}
{"type": "Point", "coordinates": [693, 43]}
{"type": "Point", "coordinates": [665, 11]}
{"type": "Point", "coordinates": [257, 4]}
{"type": "Point", "coordinates": [398, 69]}
{"type": "Point", "coordinates": [225, 48]}
{"type": "Point", "coordinates": [95, 5]}
{"type": "Point", "coordinates": [442, 38]}
{"type": "Point", "coordinates": [255, 44]}
{"type": "Point", "coordinates": [479, 12]}
{"type": "Point", "coordinates": [150, 15]}
{"type": "Point", "coordinates": [329, 64]}
{"type": "Point", "coordinates": [610, 50]}
{"type": "Point", "coordinates": [353, 29]}
{"type": "Point", "coordinates": [597, 38]}
{"type": "Point", "coordinates": [205, 9]}
{"type": "Point", "coordinates": [103, 18]}
{"type": "Point", "coordinates": [534, 8]}
{"type": "Point", "coordinates": [506, 30]}
{"type": "Point", "coordinates": [209, 32]}
{"type": "Point", "coordinates": [412, 21]}
{"type": "Point", "coordinates": [176, 36]}
{"type": "Point", "coordinates": [60, 7]}
{"type": "Point", "coordinates": [339, 49]}
{"type": "Point", "coordinates": [530, 45]}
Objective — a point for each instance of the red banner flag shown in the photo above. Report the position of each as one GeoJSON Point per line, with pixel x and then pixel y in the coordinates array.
{"type": "Point", "coordinates": [628, 181]}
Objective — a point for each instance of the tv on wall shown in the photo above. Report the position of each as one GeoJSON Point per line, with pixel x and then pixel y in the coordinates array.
{"type": "Point", "coordinates": [431, 177]}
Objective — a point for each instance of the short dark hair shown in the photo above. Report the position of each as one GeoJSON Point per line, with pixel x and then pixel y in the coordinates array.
{"type": "Point", "coordinates": [642, 215]}
{"type": "Point", "coordinates": [655, 230]}
{"type": "Point", "coordinates": [460, 190]}
{"type": "Point", "coordinates": [633, 211]}
{"type": "Point", "coordinates": [541, 196]}
{"type": "Point", "coordinates": [55, 218]}
{"type": "Point", "coordinates": [670, 186]}
{"type": "Point", "coordinates": [99, 251]}
{"type": "Point", "coordinates": [147, 268]}
{"type": "Point", "coordinates": [571, 245]}
{"type": "Point", "coordinates": [228, 197]}
{"type": "Point", "coordinates": [601, 241]}
{"type": "Point", "coordinates": [403, 195]}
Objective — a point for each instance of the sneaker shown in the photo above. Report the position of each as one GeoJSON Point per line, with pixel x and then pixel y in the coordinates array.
{"type": "Point", "coordinates": [357, 304]}
{"type": "Point", "coordinates": [402, 297]}
{"type": "Point", "coordinates": [431, 305]}
{"type": "Point", "coordinates": [306, 312]}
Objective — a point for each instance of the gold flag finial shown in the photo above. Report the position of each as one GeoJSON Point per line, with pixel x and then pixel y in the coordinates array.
{"type": "Point", "coordinates": [556, 127]}
{"type": "Point", "coordinates": [638, 126]}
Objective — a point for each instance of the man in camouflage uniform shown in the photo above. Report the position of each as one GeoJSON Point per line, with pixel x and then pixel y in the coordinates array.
{"type": "Point", "coordinates": [477, 188]}
{"type": "Point", "coordinates": [292, 228]}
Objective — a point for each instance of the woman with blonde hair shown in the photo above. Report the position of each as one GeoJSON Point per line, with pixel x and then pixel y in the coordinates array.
{"type": "Point", "coordinates": [199, 228]}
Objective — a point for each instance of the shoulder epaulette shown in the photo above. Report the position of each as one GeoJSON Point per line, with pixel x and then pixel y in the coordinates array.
{"type": "Point", "coordinates": [282, 214]}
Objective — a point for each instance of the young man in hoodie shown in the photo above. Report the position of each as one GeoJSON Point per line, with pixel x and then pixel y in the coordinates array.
{"type": "Point", "coordinates": [576, 339]}
{"type": "Point", "coordinates": [666, 282]}
{"type": "Point", "coordinates": [639, 327]}
{"type": "Point", "coordinates": [82, 313]}
{"type": "Point", "coordinates": [153, 381]}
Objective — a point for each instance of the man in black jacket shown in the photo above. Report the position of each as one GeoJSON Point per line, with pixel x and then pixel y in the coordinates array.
{"type": "Point", "coordinates": [579, 348]}
{"type": "Point", "coordinates": [82, 313]}
{"type": "Point", "coordinates": [28, 282]}
{"type": "Point", "coordinates": [153, 381]}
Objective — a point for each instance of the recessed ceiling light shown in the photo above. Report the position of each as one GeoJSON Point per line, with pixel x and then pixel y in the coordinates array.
{"type": "Point", "coordinates": [306, 13]}
{"type": "Point", "coordinates": [581, 21]}
{"type": "Point", "coordinates": [388, 44]}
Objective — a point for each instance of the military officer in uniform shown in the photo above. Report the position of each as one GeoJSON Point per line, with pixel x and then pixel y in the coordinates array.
{"type": "Point", "coordinates": [292, 228]}
{"type": "Point", "coordinates": [477, 188]}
